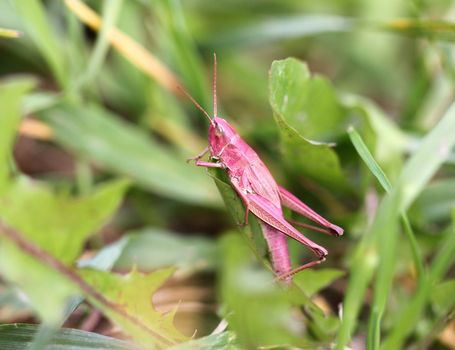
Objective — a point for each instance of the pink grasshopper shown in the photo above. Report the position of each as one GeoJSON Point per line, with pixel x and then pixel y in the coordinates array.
{"type": "Point", "coordinates": [260, 193]}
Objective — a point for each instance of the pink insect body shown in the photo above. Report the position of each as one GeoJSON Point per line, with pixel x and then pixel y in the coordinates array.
{"type": "Point", "coordinates": [261, 194]}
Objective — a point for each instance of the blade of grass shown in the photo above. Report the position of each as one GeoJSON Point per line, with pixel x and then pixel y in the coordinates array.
{"type": "Point", "coordinates": [18, 336]}
{"type": "Point", "coordinates": [367, 157]}
{"type": "Point", "coordinates": [411, 315]}
{"type": "Point", "coordinates": [38, 28]}
{"type": "Point", "coordinates": [374, 167]}
{"type": "Point", "coordinates": [129, 48]}
{"type": "Point", "coordinates": [111, 10]}
{"type": "Point", "coordinates": [417, 172]}
{"type": "Point", "coordinates": [182, 47]}
{"type": "Point", "coordinates": [382, 237]}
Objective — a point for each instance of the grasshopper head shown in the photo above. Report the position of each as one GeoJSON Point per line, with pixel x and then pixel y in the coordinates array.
{"type": "Point", "coordinates": [221, 134]}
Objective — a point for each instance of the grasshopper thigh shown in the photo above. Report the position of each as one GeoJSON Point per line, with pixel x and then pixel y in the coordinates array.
{"type": "Point", "coordinates": [295, 204]}
{"type": "Point", "coordinates": [272, 215]}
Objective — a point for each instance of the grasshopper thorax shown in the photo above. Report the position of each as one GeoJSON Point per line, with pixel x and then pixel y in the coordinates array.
{"type": "Point", "coordinates": [221, 135]}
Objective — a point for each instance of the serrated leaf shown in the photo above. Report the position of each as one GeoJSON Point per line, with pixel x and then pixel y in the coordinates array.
{"type": "Point", "coordinates": [127, 301]}
{"type": "Point", "coordinates": [292, 96]}
{"type": "Point", "coordinates": [56, 224]}
{"type": "Point", "coordinates": [20, 337]}
{"type": "Point", "coordinates": [101, 137]}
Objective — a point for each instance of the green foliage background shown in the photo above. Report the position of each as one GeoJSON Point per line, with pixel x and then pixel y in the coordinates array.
{"type": "Point", "coordinates": [350, 104]}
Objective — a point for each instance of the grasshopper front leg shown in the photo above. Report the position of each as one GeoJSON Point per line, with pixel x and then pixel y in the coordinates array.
{"type": "Point", "coordinates": [210, 165]}
{"type": "Point", "coordinates": [200, 155]}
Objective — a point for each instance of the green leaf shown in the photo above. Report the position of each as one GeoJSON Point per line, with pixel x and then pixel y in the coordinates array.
{"type": "Point", "coordinates": [152, 248]}
{"type": "Point", "coordinates": [258, 310]}
{"type": "Point", "coordinates": [11, 94]}
{"type": "Point", "coordinates": [96, 135]}
{"type": "Point", "coordinates": [127, 301]}
{"type": "Point", "coordinates": [312, 281]}
{"type": "Point", "coordinates": [309, 104]}
{"type": "Point", "coordinates": [56, 224]}
{"type": "Point", "coordinates": [304, 108]}
{"type": "Point", "coordinates": [20, 337]}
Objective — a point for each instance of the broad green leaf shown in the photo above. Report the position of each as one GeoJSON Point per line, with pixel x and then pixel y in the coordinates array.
{"type": "Point", "coordinates": [99, 136]}
{"type": "Point", "coordinates": [11, 94]}
{"type": "Point", "coordinates": [312, 281]}
{"type": "Point", "coordinates": [58, 225]}
{"type": "Point", "coordinates": [151, 248]}
{"type": "Point", "coordinates": [257, 309]}
{"type": "Point", "coordinates": [34, 18]}
{"type": "Point", "coordinates": [307, 103]}
{"type": "Point", "coordinates": [127, 301]}
{"type": "Point", "coordinates": [304, 108]}
{"type": "Point", "coordinates": [222, 341]}
{"type": "Point", "coordinates": [20, 337]}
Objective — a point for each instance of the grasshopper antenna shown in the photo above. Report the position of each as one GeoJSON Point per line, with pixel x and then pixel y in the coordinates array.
{"type": "Point", "coordinates": [195, 103]}
{"type": "Point", "coordinates": [215, 111]}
